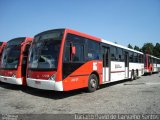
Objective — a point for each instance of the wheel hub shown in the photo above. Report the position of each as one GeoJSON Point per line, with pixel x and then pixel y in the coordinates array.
{"type": "Point", "coordinates": [93, 83]}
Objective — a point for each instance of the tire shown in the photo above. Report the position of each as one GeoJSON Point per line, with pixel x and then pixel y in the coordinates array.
{"type": "Point", "coordinates": [92, 83]}
{"type": "Point", "coordinates": [150, 73]}
{"type": "Point", "coordinates": [132, 75]}
{"type": "Point", "coordinates": [136, 75]}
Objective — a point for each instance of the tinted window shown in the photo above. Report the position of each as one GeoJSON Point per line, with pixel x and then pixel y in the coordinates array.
{"type": "Point", "coordinates": [67, 54]}
{"type": "Point", "coordinates": [79, 56]}
{"type": "Point", "coordinates": [16, 41]}
{"type": "Point", "coordinates": [113, 53]}
{"type": "Point", "coordinates": [135, 58]}
{"type": "Point", "coordinates": [154, 60]}
{"type": "Point", "coordinates": [10, 57]}
{"type": "Point", "coordinates": [44, 51]}
{"type": "Point", "coordinates": [78, 42]}
{"type": "Point", "coordinates": [140, 58]}
{"type": "Point", "coordinates": [131, 56]}
{"type": "Point", "coordinates": [120, 54]}
{"type": "Point", "coordinates": [93, 50]}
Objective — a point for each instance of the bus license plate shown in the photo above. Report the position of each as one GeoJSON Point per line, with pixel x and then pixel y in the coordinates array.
{"type": "Point", "coordinates": [37, 82]}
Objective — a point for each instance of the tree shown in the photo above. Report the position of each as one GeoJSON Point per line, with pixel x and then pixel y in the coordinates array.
{"type": "Point", "coordinates": [148, 48]}
{"type": "Point", "coordinates": [156, 50]}
{"type": "Point", "coordinates": [136, 48]}
{"type": "Point", "coordinates": [130, 46]}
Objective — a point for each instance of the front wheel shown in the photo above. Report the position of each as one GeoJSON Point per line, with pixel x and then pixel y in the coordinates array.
{"type": "Point", "coordinates": [92, 83]}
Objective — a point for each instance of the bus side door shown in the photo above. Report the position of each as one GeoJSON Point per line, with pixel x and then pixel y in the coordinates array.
{"type": "Point", "coordinates": [106, 64]}
{"type": "Point", "coordinates": [126, 60]}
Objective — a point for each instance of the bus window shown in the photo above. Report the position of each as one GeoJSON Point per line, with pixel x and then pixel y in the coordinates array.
{"type": "Point", "coordinates": [113, 53]}
{"type": "Point", "coordinates": [120, 54]}
{"type": "Point", "coordinates": [79, 56]}
{"type": "Point", "coordinates": [93, 54]}
{"type": "Point", "coordinates": [131, 56]}
{"type": "Point", "coordinates": [135, 59]}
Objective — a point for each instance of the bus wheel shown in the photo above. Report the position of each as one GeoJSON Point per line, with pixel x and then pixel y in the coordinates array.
{"type": "Point", "coordinates": [136, 75]}
{"type": "Point", "coordinates": [132, 75]}
{"type": "Point", "coordinates": [150, 73]}
{"type": "Point", "coordinates": [92, 83]}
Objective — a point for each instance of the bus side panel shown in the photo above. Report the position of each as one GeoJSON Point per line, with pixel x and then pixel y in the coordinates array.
{"type": "Point", "coordinates": [117, 71]}
{"type": "Point", "coordinates": [136, 66]}
{"type": "Point", "coordinates": [158, 65]}
{"type": "Point", "coordinates": [155, 68]}
{"type": "Point", "coordinates": [79, 78]}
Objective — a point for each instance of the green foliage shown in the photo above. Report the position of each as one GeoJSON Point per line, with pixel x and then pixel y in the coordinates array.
{"type": "Point", "coordinates": [148, 48]}
{"type": "Point", "coordinates": [136, 48]}
{"type": "Point", "coordinates": [156, 50]}
{"type": "Point", "coordinates": [130, 46]}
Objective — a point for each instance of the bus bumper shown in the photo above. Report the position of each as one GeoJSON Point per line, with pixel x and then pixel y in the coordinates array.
{"type": "Point", "coordinates": [45, 84]}
{"type": "Point", "coordinates": [11, 80]}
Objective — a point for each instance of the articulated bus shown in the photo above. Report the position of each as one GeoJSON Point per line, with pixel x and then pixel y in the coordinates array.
{"type": "Point", "coordinates": [14, 61]}
{"type": "Point", "coordinates": [151, 64]}
{"type": "Point", "coordinates": [64, 59]}
{"type": "Point", "coordinates": [2, 45]}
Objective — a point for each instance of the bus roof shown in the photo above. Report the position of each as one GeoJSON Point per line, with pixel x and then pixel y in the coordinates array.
{"type": "Point", "coordinates": [153, 56]}
{"type": "Point", "coordinates": [90, 37]}
{"type": "Point", "coordinates": [120, 46]}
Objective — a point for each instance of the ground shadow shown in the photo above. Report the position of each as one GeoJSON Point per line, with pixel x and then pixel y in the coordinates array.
{"type": "Point", "coordinates": [114, 83]}
{"type": "Point", "coordinates": [55, 94]}
{"type": "Point", "coordinates": [42, 93]}
{"type": "Point", "coordinates": [11, 86]}
{"type": "Point", "coordinates": [148, 74]}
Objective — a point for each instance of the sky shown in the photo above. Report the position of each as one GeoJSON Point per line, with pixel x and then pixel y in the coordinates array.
{"type": "Point", "coordinates": [121, 21]}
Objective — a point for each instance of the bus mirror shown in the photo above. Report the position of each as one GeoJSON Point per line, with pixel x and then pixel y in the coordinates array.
{"type": "Point", "coordinates": [73, 50]}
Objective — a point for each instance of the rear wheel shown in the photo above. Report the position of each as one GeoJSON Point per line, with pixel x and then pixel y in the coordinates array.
{"type": "Point", "coordinates": [92, 83]}
{"type": "Point", "coordinates": [136, 75]}
{"type": "Point", "coordinates": [132, 75]}
{"type": "Point", "coordinates": [150, 72]}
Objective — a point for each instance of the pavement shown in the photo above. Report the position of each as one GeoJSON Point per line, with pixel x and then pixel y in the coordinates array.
{"type": "Point", "coordinates": [141, 96]}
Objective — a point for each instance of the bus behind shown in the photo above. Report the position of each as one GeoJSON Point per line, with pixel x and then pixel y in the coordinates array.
{"type": "Point", "coordinates": [151, 64]}
{"type": "Point", "coordinates": [2, 45]}
{"type": "Point", "coordinates": [14, 61]}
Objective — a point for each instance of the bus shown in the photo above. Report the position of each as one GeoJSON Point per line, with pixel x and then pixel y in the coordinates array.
{"type": "Point", "coordinates": [158, 64]}
{"type": "Point", "coordinates": [65, 59]}
{"type": "Point", "coordinates": [151, 64]}
{"type": "Point", "coordinates": [2, 45]}
{"type": "Point", "coordinates": [14, 61]}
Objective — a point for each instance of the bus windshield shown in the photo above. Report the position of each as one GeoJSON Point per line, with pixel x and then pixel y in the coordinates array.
{"type": "Point", "coordinates": [44, 52]}
{"type": "Point", "coordinates": [10, 57]}
{"type": "Point", "coordinates": [11, 54]}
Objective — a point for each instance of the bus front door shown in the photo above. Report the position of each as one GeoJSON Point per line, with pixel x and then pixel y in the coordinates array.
{"type": "Point", "coordinates": [106, 64]}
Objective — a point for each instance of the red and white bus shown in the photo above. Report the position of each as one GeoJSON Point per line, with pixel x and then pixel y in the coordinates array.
{"type": "Point", "coordinates": [2, 45]}
{"type": "Point", "coordinates": [14, 61]}
{"type": "Point", "coordinates": [64, 59]}
{"type": "Point", "coordinates": [151, 64]}
{"type": "Point", "coordinates": [158, 64]}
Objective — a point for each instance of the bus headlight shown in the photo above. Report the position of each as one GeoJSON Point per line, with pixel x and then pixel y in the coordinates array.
{"type": "Point", "coordinates": [53, 77]}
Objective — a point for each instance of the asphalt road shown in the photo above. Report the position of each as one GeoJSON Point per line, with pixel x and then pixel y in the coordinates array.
{"type": "Point", "coordinates": [141, 96]}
